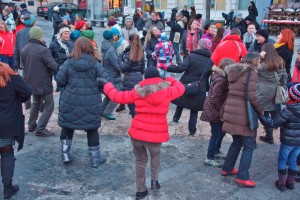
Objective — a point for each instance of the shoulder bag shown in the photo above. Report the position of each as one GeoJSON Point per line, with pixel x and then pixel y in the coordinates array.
{"type": "Point", "coordinates": [281, 94]}
{"type": "Point", "coordinates": [251, 114]}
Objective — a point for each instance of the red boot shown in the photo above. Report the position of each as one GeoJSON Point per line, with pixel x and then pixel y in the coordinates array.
{"type": "Point", "coordinates": [246, 183]}
{"type": "Point", "coordinates": [233, 172]}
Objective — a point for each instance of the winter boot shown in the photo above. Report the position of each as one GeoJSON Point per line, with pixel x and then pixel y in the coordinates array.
{"type": "Point", "coordinates": [96, 158]}
{"type": "Point", "coordinates": [120, 108]}
{"type": "Point", "coordinates": [291, 179]}
{"type": "Point", "coordinates": [7, 172]}
{"type": "Point", "coordinates": [65, 151]}
{"type": "Point", "coordinates": [155, 185]}
{"type": "Point", "coordinates": [268, 138]}
{"type": "Point", "coordinates": [280, 183]}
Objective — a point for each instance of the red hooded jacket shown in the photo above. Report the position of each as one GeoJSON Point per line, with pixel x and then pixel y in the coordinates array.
{"type": "Point", "coordinates": [152, 98]}
{"type": "Point", "coordinates": [7, 43]}
{"type": "Point", "coordinates": [230, 47]}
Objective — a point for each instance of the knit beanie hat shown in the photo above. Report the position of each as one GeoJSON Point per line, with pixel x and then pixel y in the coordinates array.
{"type": "Point", "coordinates": [66, 17]}
{"type": "Point", "coordinates": [61, 31]}
{"type": "Point", "coordinates": [145, 15]}
{"type": "Point", "coordinates": [36, 33]}
{"type": "Point", "coordinates": [163, 36]}
{"type": "Point", "coordinates": [205, 43]}
{"type": "Point", "coordinates": [107, 35]}
{"type": "Point", "coordinates": [79, 25]}
{"type": "Point", "coordinates": [128, 18]}
{"type": "Point", "coordinates": [115, 31]}
{"type": "Point", "coordinates": [75, 35]}
{"type": "Point", "coordinates": [29, 20]}
{"type": "Point", "coordinates": [262, 33]}
{"type": "Point", "coordinates": [151, 72]}
{"type": "Point", "coordinates": [239, 16]}
{"type": "Point", "coordinates": [294, 92]}
{"type": "Point", "coordinates": [111, 23]}
{"type": "Point", "coordinates": [235, 31]}
{"type": "Point", "coordinates": [88, 34]}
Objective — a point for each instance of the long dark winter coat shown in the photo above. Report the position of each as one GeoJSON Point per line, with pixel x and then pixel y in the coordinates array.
{"type": "Point", "coordinates": [39, 67]}
{"type": "Point", "coordinates": [150, 47]}
{"type": "Point", "coordinates": [22, 39]}
{"type": "Point", "coordinates": [133, 71]}
{"type": "Point", "coordinates": [195, 65]}
{"type": "Point", "coordinates": [266, 86]}
{"type": "Point", "coordinates": [80, 103]}
{"type": "Point", "coordinates": [289, 122]}
{"type": "Point", "coordinates": [11, 114]}
{"type": "Point", "coordinates": [216, 96]}
{"type": "Point", "coordinates": [287, 55]}
{"type": "Point", "coordinates": [234, 113]}
{"type": "Point", "coordinates": [111, 61]}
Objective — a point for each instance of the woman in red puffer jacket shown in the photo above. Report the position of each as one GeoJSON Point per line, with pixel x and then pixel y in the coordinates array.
{"type": "Point", "coordinates": [149, 128]}
{"type": "Point", "coordinates": [7, 43]}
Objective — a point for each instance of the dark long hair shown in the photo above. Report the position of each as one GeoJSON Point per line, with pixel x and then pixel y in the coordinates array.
{"type": "Point", "coordinates": [136, 50]}
{"type": "Point", "coordinates": [251, 58]}
{"type": "Point", "coordinates": [253, 6]}
{"type": "Point", "coordinates": [82, 45]}
{"type": "Point", "coordinates": [190, 23]}
{"type": "Point", "coordinates": [220, 32]}
{"type": "Point", "coordinates": [272, 60]}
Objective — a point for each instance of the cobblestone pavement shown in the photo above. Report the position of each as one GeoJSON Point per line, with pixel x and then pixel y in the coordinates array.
{"type": "Point", "coordinates": [42, 176]}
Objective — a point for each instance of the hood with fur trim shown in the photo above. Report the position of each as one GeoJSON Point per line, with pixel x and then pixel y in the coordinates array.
{"type": "Point", "coordinates": [147, 91]}
{"type": "Point", "coordinates": [219, 70]}
{"type": "Point", "coordinates": [235, 71]}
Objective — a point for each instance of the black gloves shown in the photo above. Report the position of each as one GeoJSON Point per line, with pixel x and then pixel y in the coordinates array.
{"type": "Point", "coordinates": [101, 82]}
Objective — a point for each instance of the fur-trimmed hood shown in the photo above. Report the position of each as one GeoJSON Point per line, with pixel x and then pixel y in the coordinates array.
{"type": "Point", "coordinates": [235, 71]}
{"type": "Point", "coordinates": [218, 70]}
{"type": "Point", "coordinates": [147, 91]}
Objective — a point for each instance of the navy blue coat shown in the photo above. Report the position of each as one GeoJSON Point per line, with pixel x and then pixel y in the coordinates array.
{"type": "Point", "coordinates": [289, 122]}
{"type": "Point", "coordinates": [80, 102]}
{"type": "Point", "coordinates": [133, 71]}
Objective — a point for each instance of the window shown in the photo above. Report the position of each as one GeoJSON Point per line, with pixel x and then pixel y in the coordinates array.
{"type": "Point", "coordinates": [218, 5]}
{"type": "Point", "coordinates": [73, 6]}
{"type": "Point", "coordinates": [115, 4]}
{"type": "Point", "coordinates": [243, 4]}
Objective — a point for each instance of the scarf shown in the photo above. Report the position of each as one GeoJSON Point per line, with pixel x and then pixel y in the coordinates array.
{"type": "Point", "coordinates": [277, 45]}
{"type": "Point", "coordinates": [119, 42]}
{"type": "Point", "coordinates": [64, 46]}
{"type": "Point", "coordinates": [192, 40]}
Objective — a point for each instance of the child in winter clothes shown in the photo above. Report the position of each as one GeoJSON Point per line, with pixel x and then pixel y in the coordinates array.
{"type": "Point", "coordinates": [289, 122]}
{"type": "Point", "coordinates": [249, 36]}
{"type": "Point", "coordinates": [163, 53]}
{"type": "Point", "coordinates": [216, 96]}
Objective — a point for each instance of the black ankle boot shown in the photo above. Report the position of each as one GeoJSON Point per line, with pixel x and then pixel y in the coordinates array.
{"type": "Point", "coordinates": [291, 179]}
{"type": "Point", "coordinates": [120, 108]}
{"type": "Point", "coordinates": [266, 139]}
{"type": "Point", "coordinates": [141, 195]}
{"type": "Point", "coordinates": [280, 183]}
{"type": "Point", "coordinates": [10, 190]}
{"type": "Point", "coordinates": [155, 185]}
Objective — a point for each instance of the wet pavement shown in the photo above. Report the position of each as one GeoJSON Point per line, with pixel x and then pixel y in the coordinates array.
{"type": "Point", "coordinates": [183, 176]}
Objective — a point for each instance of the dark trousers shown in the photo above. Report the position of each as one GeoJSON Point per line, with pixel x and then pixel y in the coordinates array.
{"type": "Point", "coordinates": [248, 144]}
{"type": "Point", "coordinates": [7, 164]}
{"type": "Point", "coordinates": [132, 110]}
{"type": "Point", "coordinates": [192, 120]}
{"type": "Point", "coordinates": [271, 114]}
{"type": "Point", "coordinates": [10, 60]}
{"type": "Point", "coordinates": [216, 138]}
{"type": "Point", "coordinates": [141, 158]}
{"type": "Point", "coordinates": [37, 101]}
{"type": "Point", "coordinates": [92, 136]}
{"type": "Point", "coordinates": [176, 52]}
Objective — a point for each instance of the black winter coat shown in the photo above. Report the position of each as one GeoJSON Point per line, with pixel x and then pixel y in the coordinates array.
{"type": "Point", "coordinates": [59, 53]}
{"type": "Point", "coordinates": [39, 67]}
{"type": "Point", "coordinates": [80, 102]}
{"type": "Point", "coordinates": [11, 114]}
{"type": "Point", "coordinates": [150, 47]}
{"type": "Point", "coordinates": [289, 122]}
{"type": "Point", "coordinates": [133, 71]}
{"type": "Point", "coordinates": [111, 61]}
{"type": "Point", "coordinates": [56, 19]}
{"type": "Point", "coordinates": [196, 67]}
{"type": "Point", "coordinates": [136, 18]}
{"type": "Point", "coordinates": [287, 55]}
{"type": "Point", "coordinates": [140, 24]}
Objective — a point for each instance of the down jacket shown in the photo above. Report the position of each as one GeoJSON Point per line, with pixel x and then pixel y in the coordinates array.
{"type": "Point", "coordinates": [289, 122]}
{"type": "Point", "coordinates": [58, 52]}
{"type": "Point", "coordinates": [196, 67]}
{"type": "Point", "coordinates": [216, 96]}
{"type": "Point", "coordinates": [152, 98]}
{"type": "Point", "coordinates": [80, 103]}
{"type": "Point", "coordinates": [266, 86]}
{"type": "Point", "coordinates": [150, 47]}
{"type": "Point", "coordinates": [235, 112]}
{"type": "Point", "coordinates": [133, 71]}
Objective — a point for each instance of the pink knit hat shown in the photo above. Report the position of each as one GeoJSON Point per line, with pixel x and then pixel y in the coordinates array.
{"type": "Point", "coordinates": [205, 43]}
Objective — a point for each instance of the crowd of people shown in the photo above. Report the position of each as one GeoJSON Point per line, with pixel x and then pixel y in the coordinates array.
{"type": "Point", "coordinates": [132, 66]}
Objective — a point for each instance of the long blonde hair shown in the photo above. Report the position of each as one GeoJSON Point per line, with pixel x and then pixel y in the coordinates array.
{"type": "Point", "coordinates": [149, 35]}
{"type": "Point", "coordinates": [6, 29]}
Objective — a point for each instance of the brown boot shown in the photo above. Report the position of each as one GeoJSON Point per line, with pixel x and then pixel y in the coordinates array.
{"type": "Point", "coordinates": [280, 183]}
{"type": "Point", "coordinates": [291, 179]}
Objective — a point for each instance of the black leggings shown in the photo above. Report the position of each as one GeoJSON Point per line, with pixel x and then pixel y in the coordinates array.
{"type": "Point", "coordinates": [92, 136]}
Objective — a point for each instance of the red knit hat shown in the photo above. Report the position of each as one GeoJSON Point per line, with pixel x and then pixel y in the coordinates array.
{"type": "Point", "coordinates": [79, 25]}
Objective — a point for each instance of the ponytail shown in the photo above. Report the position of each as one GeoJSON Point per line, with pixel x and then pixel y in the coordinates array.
{"type": "Point", "coordinates": [136, 51]}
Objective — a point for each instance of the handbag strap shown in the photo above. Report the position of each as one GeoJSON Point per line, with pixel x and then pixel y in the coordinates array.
{"type": "Point", "coordinates": [247, 84]}
{"type": "Point", "coordinates": [276, 78]}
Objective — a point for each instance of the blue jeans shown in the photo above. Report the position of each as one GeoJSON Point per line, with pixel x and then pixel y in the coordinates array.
{"type": "Point", "coordinates": [248, 144]}
{"type": "Point", "coordinates": [288, 156]}
{"type": "Point", "coordinates": [10, 60]}
{"type": "Point", "coordinates": [176, 52]}
{"type": "Point", "coordinates": [215, 140]}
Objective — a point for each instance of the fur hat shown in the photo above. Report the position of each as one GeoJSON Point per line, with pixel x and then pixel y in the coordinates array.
{"type": "Point", "coordinates": [29, 20]}
{"type": "Point", "coordinates": [262, 33]}
{"type": "Point", "coordinates": [151, 72]}
{"type": "Point", "coordinates": [108, 35]}
{"type": "Point", "coordinates": [79, 25]}
{"type": "Point", "coordinates": [36, 33]}
{"type": "Point", "coordinates": [205, 43]}
{"type": "Point", "coordinates": [294, 92]}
